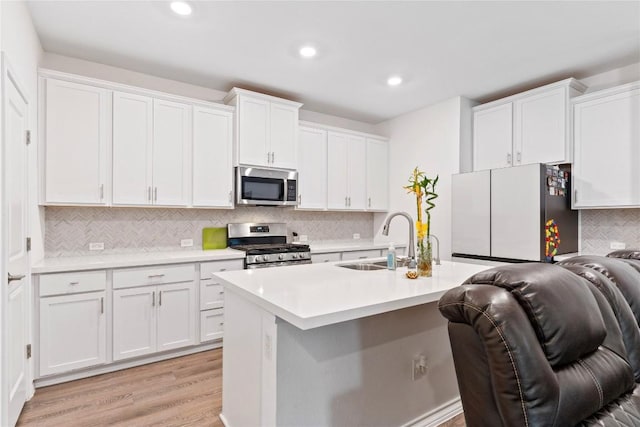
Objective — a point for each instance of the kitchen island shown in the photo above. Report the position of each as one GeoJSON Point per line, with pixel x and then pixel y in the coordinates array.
{"type": "Point", "coordinates": [321, 344]}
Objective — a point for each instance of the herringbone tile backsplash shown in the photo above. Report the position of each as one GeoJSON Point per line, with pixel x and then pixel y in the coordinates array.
{"type": "Point", "coordinates": [69, 230]}
{"type": "Point", "coordinates": [599, 227]}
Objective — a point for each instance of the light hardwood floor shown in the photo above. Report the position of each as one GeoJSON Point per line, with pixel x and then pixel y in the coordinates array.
{"type": "Point", "coordinates": [186, 391]}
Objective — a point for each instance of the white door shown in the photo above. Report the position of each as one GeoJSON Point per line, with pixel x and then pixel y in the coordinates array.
{"type": "Point", "coordinates": [177, 313]}
{"type": "Point", "coordinates": [471, 213]}
{"type": "Point", "coordinates": [493, 137]}
{"type": "Point", "coordinates": [377, 175]}
{"type": "Point", "coordinates": [76, 135]}
{"type": "Point", "coordinates": [132, 133]}
{"type": "Point", "coordinates": [337, 161]}
{"type": "Point", "coordinates": [607, 151]}
{"type": "Point", "coordinates": [253, 133]}
{"type": "Point", "coordinates": [357, 173]}
{"type": "Point", "coordinates": [72, 332]}
{"type": "Point", "coordinates": [171, 145]}
{"type": "Point", "coordinates": [134, 322]}
{"type": "Point", "coordinates": [13, 369]}
{"type": "Point", "coordinates": [516, 217]}
{"type": "Point", "coordinates": [283, 135]}
{"type": "Point", "coordinates": [312, 168]}
{"type": "Point", "coordinates": [212, 161]}
{"type": "Point", "coordinates": [540, 131]}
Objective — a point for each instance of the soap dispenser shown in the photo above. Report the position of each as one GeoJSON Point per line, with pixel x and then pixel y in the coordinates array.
{"type": "Point", "coordinates": [391, 257]}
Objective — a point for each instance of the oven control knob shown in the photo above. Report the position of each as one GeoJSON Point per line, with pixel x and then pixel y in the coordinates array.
{"type": "Point", "coordinates": [281, 257]}
{"type": "Point", "coordinates": [266, 257]}
{"type": "Point", "coordinates": [304, 255]}
{"type": "Point", "coordinates": [294, 256]}
{"type": "Point", "coordinates": [258, 258]}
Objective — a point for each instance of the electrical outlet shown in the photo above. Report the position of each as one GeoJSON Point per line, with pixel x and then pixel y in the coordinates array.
{"type": "Point", "coordinates": [356, 236]}
{"type": "Point", "coordinates": [96, 246]}
{"type": "Point", "coordinates": [185, 243]}
{"type": "Point", "coordinates": [617, 245]}
{"type": "Point", "coordinates": [304, 238]}
{"type": "Point", "coordinates": [419, 367]}
{"type": "Point", "coordinates": [268, 346]}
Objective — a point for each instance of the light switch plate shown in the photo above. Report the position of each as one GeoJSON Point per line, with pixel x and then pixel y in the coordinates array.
{"type": "Point", "coordinates": [304, 238]}
{"type": "Point", "coordinates": [96, 246]}
{"type": "Point", "coordinates": [617, 245]}
{"type": "Point", "coordinates": [185, 243]}
{"type": "Point", "coordinates": [356, 236]}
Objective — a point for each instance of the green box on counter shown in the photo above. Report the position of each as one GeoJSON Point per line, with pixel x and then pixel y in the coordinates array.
{"type": "Point", "coordinates": [214, 238]}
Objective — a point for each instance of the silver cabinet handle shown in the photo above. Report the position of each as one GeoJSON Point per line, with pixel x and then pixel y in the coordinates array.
{"type": "Point", "coordinates": [269, 157]}
{"type": "Point", "coordinates": [101, 305]}
{"type": "Point", "coordinates": [74, 283]}
{"type": "Point", "coordinates": [221, 323]}
{"type": "Point", "coordinates": [362, 257]}
{"type": "Point", "coordinates": [299, 199]}
{"type": "Point", "coordinates": [13, 277]}
{"type": "Point", "coordinates": [519, 157]}
{"type": "Point", "coordinates": [160, 298]}
{"type": "Point", "coordinates": [509, 158]}
{"type": "Point", "coordinates": [345, 201]}
{"type": "Point", "coordinates": [156, 275]}
{"type": "Point", "coordinates": [101, 191]}
{"type": "Point", "coordinates": [155, 194]}
{"type": "Point", "coordinates": [273, 157]}
{"type": "Point", "coordinates": [230, 196]}
{"type": "Point", "coordinates": [369, 201]}
{"type": "Point", "coordinates": [149, 193]}
{"type": "Point", "coordinates": [575, 196]}
{"type": "Point", "coordinates": [349, 201]}
{"type": "Point", "coordinates": [221, 292]}
{"type": "Point", "coordinates": [153, 299]}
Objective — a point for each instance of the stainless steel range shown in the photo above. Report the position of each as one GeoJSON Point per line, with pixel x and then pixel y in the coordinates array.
{"type": "Point", "coordinates": [265, 245]}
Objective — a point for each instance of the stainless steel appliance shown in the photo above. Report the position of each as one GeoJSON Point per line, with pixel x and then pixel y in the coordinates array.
{"type": "Point", "coordinates": [266, 187]}
{"type": "Point", "coordinates": [501, 214]}
{"type": "Point", "coordinates": [265, 245]}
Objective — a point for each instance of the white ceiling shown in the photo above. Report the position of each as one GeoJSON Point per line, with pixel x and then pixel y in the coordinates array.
{"type": "Point", "coordinates": [442, 49]}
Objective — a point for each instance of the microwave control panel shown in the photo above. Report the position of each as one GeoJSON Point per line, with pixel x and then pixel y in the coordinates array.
{"type": "Point", "coordinates": [292, 190]}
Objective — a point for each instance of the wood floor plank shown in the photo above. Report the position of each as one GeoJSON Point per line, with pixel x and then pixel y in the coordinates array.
{"type": "Point", "coordinates": [185, 391]}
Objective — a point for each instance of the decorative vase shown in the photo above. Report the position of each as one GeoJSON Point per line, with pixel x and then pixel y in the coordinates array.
{"type": "Point", "coordinates": [424, 257]}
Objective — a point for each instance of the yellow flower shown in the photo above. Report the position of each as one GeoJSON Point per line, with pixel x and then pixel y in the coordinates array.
{"type": "Point", "coordinates": [423, 229]}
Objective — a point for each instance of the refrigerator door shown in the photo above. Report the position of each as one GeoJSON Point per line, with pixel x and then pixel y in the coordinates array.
{"type": "Point", "coordinates": [470, 218]}
{"type": "Point", "coordinates": [517, 212]}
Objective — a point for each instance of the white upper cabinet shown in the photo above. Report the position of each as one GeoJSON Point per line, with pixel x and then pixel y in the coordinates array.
{"type": "Point", "coordinates": [377, 175]}
{"type": "Point", "coordinates": [132, 145]}
{"type": "Point", "coordinates": [357, 172]}
{"type": "Point", "coordinates": [266, 129]}
{"type": "Point", "coordinates": [529, 127]}
{"type": "Point", "coordinates": [347, 171]}
{"type": "Point", "coordinates": [76, 138]}
{"type": "Point", "coordinates": [312, 168]}
{"type": "Point", "coordinates": [212, 158]}
{"type": "Point", "coordinates": [607, 148]}
{"type": "Point", "coordinates": [151, 151]}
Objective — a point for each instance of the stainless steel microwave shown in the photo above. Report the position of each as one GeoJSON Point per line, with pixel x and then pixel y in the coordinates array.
{"type": "Point", "coordinates": [266, 187]}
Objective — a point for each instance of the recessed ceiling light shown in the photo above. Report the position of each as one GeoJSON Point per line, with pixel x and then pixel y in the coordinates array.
{"type": "Point", "coordinates": [308, 51]}
{"type": "Point", "coordinates": [394, 80]}
{"type": "Point", "coordinates": [181, 8]}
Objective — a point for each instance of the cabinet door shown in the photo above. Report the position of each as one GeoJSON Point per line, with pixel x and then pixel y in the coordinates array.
{"type": "Point", "coordinates": [212, 162]}
{"type": "Point", "coordinates": [357, 173]}
{"type": "Point", "coordinates": [132, 145]}
{"type": "Point", "coordinates": [283, 139]}
{"type": "Point", "coordinates": [171, 145]}
{"type": "Point", "coordinates": [337, 155]}
{"type": "Point", "coordinates": [493, 137]}
{"type": "Point", "coordinates": [377, 175]}
{"type": "Point", "coordinates": [516, 218]}
{"type": "Point", "coordinates": [312, 169]}
{"type": "Point", "coordinates": [253, 132]}
{"type": "Point", "coordinates": [607, 154]}
{"type": "Point", "coordinates": [471, 213]}
{"type": "Point", "coordinates": [76, 139]}
{"type": "Point", "coordinates": [211, 325]}
{"type": "Point", "coordinates": [72, 332]}
{"type": "Point", "coordinates": [134, 322]}
{"type": "Point", "coordinates": [177, 313]}
{"type": "Point", "coordinates": [540, 134]}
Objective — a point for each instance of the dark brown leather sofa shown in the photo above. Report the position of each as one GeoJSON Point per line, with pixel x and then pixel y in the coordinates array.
{"type": "Point", "coordinates": [546, 345]}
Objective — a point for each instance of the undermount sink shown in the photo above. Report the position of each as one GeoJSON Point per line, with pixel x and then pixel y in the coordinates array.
{"type": "Point", "coordinates": [374, 265]}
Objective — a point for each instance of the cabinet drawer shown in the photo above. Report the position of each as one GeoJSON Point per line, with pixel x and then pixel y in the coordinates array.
{"type": "Point", "coordinates": [330, 257]}
{"type": "Point", "coordinates": [130, 277]}
{"type": "Point", "coordinates": [72, 283]}
{"type": "Point", "coordinates": [211, 294]}
{"type": "Point", "coordinates": [354, 255]}
{"type": "Point", "coordinates": [211, 325]}
{"type": "Point", "coordinates": [208, 268]}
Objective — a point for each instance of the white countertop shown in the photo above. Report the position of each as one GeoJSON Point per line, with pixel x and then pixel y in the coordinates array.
{"type": "Point", "coordinates": [348, 246]}
{"type": "Point", "coordinates": [94, 262]}
{"type": "Point", "coordinates": [315, 295]}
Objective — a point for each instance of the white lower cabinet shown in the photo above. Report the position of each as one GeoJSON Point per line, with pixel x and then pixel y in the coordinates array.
{"type": "Point", "coordinates": [211, 325]}
{"type": "Point", "coordinates": [72, 332]}
{"type": "Point", "coordinates": [212, 297]}
{"type": "Point", "coordinates": [327, 257]}
{"type": "Point", "coordinates": [354, 255]}
{"type": "Point", "coordinates": [153, 318]}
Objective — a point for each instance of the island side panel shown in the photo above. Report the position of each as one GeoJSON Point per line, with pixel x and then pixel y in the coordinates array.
{"type": "Point", "coordinates": [360, 372]}
{"type": "Point", "coordinates": [248, 364]}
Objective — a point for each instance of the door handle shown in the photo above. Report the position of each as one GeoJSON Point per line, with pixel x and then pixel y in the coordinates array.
{"type": "Point", "coordinates": [299, 199]}
{"type": "Point", "coordinates": [519, 157]}
{"type": "Point", "coordinates": [149, 193]}
{"type": "Point", "coordinates": [155, 194]}
{"type": "Point", "coordinates": [273, 157]}
{"type": "Point", "coordinates": [13, 277]}
{"type": "Point", "coordinates": [101, 305]}
{"type": "Point", "coordinates": [345, 201]}
{"type": "Point", "coordinates": [230, 196]}
{"type": "Point", "coordinates": [369, 201]}
{"type": "Point", "coordinates": [153, 299]}
{"type": "Point", "coordinates": [160, 298]}
{"type": "Point", "coordinates": [101, 191]}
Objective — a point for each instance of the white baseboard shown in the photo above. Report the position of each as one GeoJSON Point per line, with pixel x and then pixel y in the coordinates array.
{"type": "Point", "coordinates": [437, 416]}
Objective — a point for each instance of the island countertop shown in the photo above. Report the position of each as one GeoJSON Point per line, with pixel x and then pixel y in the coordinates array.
{"type": "Point", "coordinates": [314, 295]}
